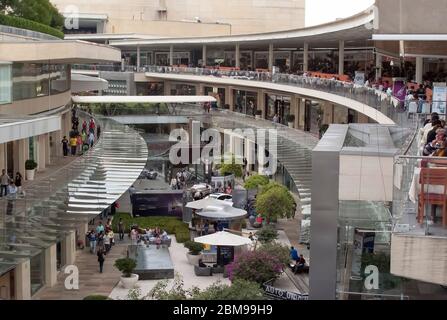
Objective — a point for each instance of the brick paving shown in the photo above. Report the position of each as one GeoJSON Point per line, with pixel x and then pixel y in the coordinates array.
{"type": "Point", "coordinates": [90, 280]}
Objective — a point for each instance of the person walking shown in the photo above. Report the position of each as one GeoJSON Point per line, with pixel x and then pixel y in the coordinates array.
{"type": "Point", "coordinates": [91, 139]}
{"type": "Point", "coordinates": [73, 145]}
{"type": "Point", "coordinates": [65, 146]}
{"type": "Point", "coordinates": [98, 131]}
{"type": "Point", "coordinates": [121, 229]}
{"type": "Point", "coordinates": [101, 259]}
{"type": "Point", "coordinates": [4, 182]}
{"type": "Point", "coordinates": [92, 239]}
{"type": "Point", "coordinates": [18, 182]}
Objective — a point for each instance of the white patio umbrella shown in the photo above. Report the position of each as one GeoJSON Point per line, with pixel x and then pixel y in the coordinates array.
{"type": "Point", "coordinates": [207, 203]}
{"type": "Point", "coordinates": [223, 238]}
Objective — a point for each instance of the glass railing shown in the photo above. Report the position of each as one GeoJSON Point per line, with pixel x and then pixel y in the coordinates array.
{"type": "Point", "coordinates": [57, 203]}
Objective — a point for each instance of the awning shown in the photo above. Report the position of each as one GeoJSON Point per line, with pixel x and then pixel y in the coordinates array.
{"type": "Point", "coordinates": [143, 99]}
{"type": "Point", "coordinates": [216, 209]}
{"type": "Point", "coordinates": [223, 239]}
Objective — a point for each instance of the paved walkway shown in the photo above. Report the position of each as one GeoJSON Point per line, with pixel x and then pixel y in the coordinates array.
{"type": "Point", "coordinates": [90, 280]}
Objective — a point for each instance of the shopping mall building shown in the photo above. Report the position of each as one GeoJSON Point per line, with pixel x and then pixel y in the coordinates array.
{"type": "Point", "coordinates": [353, 184]}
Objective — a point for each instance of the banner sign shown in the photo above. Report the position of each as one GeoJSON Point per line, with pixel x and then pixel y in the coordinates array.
{"type": "Point", "coordinates": [281, 294]}
{"type": "Point", "coordinates": [400, 90]}
{"type": "Point", "coordinates": [439, 98]}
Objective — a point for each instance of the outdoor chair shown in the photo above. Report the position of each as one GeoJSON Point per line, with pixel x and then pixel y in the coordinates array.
{"type": "Point", "coordinates": [203, 272]}
{"type": "Point", "coordinates": [432, 177]}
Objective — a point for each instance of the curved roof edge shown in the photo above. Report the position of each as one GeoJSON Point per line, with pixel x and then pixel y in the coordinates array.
{"type": "Point", "coordinates": [362, 108]}
{"type": "Point", "coordinates": [358, 20]}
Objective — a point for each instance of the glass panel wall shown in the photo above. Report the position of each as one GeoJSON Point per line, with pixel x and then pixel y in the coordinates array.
{"type": "Point", "coordinates": [5, 83]}
{"type": "Point", "coordinates": [245, 102]}
{"type": "Point", "coordinates": [279, 105]}
{"type": "Point", "coordinates": [37, 270]}
{"type": "Point", "coordinates": [31, 80]}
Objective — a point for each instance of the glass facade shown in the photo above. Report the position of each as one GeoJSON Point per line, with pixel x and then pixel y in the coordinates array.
{"type": "Point", "coordinates": [37, 270]}
{"type": "Point", "coordinates": [32, 80]}
{"type": "Point", "coordinates": [5, 84]}
{"type": "Point", "coordinates": [245, 102]}
{"type": "Point", "coordinates": [279, 105]}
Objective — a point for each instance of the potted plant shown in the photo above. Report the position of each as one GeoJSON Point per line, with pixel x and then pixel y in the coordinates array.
{"type": "Point", "coordinates": [258, 114]}
{"type": "Point", "coordinates": [195, 252]}
{"type": "Point", "coordinates": [126, 266]}
{"type": "Point", "coordinates": [30, 167]}
{"type": "Point", "coordinates": [291, 120]}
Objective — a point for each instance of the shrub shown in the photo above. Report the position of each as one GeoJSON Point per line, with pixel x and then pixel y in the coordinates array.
{"type": "Point", "coordinates": [267, 234]}
{"type": "Point", "coordinates": [126, 266]}
{"type": "Point", "coordinates": [255, 266]}
{"type": "Point", "coordinates": [21, 23]}
{"type": "Point", "coordinates": [290, 118]}
{"type": "Point", "coordinates": [274, 202]}
{"type": "Point", "coordinates": [182, 237]}
{"type": "Point", "coordinates": [231, 168]}
{"type": "Point", "coordinates": [253, 182]}
{"type": "Point", "coordinates": [239, 290]}
{"type": "Point", "coordinates": [194, 247]}
{"type": "Point", "coordinates": [30, 165]}
{"type": "Point", "coordinates": [280, 251]}
{"type": "Point", "coordinates": [97, 297]}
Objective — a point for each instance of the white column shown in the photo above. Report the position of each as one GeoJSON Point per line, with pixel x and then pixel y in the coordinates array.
{"type": "Point", "coordinates": [22, 154]}
{"type": "Point", "coordinates": [47, 149]}
{"type": "Point", "coordinates": [171, 55]}
{"type": "Point", "coordinates": [2, 156]}
{"type": "Point", "coordinates": [22, 279]}
{"type": "Point", "coordinates": [50, 266]}
{"type": "Point", "coordinates": [204, 56]}
{"type": "Point", "coordinates": [341, 58]}
{"type": "Point", "coordinates": [378, 66]}
{"type": "Point", "coordinates": [271, 57]}
{"type": "Point", "coordinates": [237, 56]}
{"type": "Point", "coordinates": [138, 58]}
{"type": "Point", "coordinates": [419, 69]}
{"type": "Point", "coordinates": [306, 57]}
{"type": "Point", "coordinates": [41, 146]}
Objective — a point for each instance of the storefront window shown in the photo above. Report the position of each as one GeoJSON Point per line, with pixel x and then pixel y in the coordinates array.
{"type": "Point", "coordinates": [261, 60]}
{"type": "Point", "coordinates": [279, 105]}
{"type": "Point", "coordinates": [161, 59]}
{"type": "Point", "coordinates": [183, 90]}
{"type": "Point", "coordinates": [218, 93]}
{"type": "Point", "coordinates": [5, 83]}
{"type": "Point", "coordinates": [246, 60]}
{"type": "Point", "coordinates": [245, 102]}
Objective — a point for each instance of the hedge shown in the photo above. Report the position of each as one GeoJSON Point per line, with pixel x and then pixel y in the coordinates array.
{"type": "Point", "coordinates": [172, 225]}
{"type": "Point", "coordinates": [21, 23]}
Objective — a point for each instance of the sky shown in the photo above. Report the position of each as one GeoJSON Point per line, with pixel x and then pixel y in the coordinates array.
{"type": "Point", "coordinates": [322, 11]}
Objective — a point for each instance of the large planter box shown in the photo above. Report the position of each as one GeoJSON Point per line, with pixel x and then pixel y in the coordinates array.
{"type": "Point", "coordinates": [30, 174]}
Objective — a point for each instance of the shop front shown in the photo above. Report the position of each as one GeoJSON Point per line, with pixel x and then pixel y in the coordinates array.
{"type": "Point", "coordinates": [245, 102]}
{"type": "Point", "coordinates": [277, 105]}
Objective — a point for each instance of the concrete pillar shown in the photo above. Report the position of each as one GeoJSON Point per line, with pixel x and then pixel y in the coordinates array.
{"type": "Point", "coordinates": [200, 90]}
{"type": "Point", "coordinates": [51, 266]}
{"type": "Point", "coordinates": [270, 57]}
{"type": "Point", "coordinates": [56, 150]}
{"type": "Point", "coordinates": [294, 109]}
{"type": "Point", "coordinates": [237, 56]}
{"type": "Point", "coordinates": [171, 55]}
{"type": "Point", "coordinates": [378, 66]}
{"type": "Point", "coordinates": [328, 113]}
{"type": "Point", "coordinates": [230, 97]}
{"type": "Point", "coordinates": [301, 113]}
{"type": "Point", "coordinates": [41, 158]}
{"type": "Point", "coordinates": [2, 156]}
{"type": "Point", "coordinates": [138, 58]}
{"type": "Point", "coordinates": [69, 249]}
{"type": "Point", "coordinates": [341, 58]}
{"type": "Point", "coordinates": [22, 154]}
{"type": "Point", "coordinates": [250, 149]}
{"type": "Point", "coordinates": [419, 69]}
{"type": "Point", "coordinates": [261, 103]}
{"type": "Point", "coordinates": [306, 57]}
{"type": "Point", "coordinates": [204, 56]}
{"type": "Point", "coordinates": [22, 278]}
{"type": "Point", "coordinates": [167, 85]}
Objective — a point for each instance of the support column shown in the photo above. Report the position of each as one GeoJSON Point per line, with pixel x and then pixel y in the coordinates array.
{"type": "Point", "coordinates": [419, 69]}
{"type": "Point", "coordinates": [167, 86]}
{"type": "Point", "coordinates": [47, 149]}
{"type": "Point", "coordinates": [294, 108]}
{"type": "Point", "coordinates": [171, 55]}
{"type": "Point", "coordinates": [200, 90]}
{"type": "Point", "coordinates": [237, 56]}
{"type": "Point", "coordinates": [22, 279]}
{"type": "Point", "coordinates": [378, 66]}
{"type": "Point", "coordinates": [22, 155]}
{"type": "Point", "coordinates": [41, 158]}
{"type": "Point", "coordinates": [306, 57]}
{"type": "Point", "coordinates": [2, 156]}
{"type": "Point", "coordinates": [204, 56]}
{"type": "Point", "coordinates": [301, 113]}
{"type": "Point", "coordinates": [51, 266]}
{"type": "Point", "coordinates": [271, 57]}
{"type": "Point", "coordinates": [230, 97]}
{"type": "Point", "coordinates": [69, 249]}
{"type": "Point", "coordinates": [341, 58]}
{"type": "Point", "coordinates": [261, 103]}
{"type": "Point", "coordinates": [138, 59]}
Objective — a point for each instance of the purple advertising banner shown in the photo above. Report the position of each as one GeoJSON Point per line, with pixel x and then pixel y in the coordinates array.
{"type": "Point", "coordinates": [400, 90]}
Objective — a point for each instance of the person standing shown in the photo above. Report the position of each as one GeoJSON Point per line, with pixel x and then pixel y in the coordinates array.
{"type": "Point", "coordinates": [18, 182]}
{"type": "Point", "coordinates": [73, 145]}
{"type": "Point", "coordinates": [92, 239]}
{"type": "Point", "coordinates": [101, 259]}
{"type": "Point", "coordinates": [100, 228]}
{"type": "Point", "coordinates": [65, 146]}
{"type": "Point", "coordinates": [98, 131]}
{"type": "Point", "coordinates": [4, 181]}
{"type": "Point", "coordinates": [91, 139]}
{"type": "Point", "coordinates": [121, 229]}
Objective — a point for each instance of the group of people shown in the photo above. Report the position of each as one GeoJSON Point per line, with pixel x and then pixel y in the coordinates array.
{"type": "Point", "coordinates": [180, 180]}
{"type": "Point", "coordinates": [10, 187]}
{"type": "Point", "coordinates": [148, 236]}
{"type": "Point", "coordinates": [80, 141]}
{"type": "Point", "coordinates": [102, 239]}
{"type": "Point", "coordinates": [300, 262]}
{"type": "Point", "coordinates": [433, 137]}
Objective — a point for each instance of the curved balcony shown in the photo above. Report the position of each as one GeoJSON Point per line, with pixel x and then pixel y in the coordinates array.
{"type": "Point", "coordinates": [71, 196]}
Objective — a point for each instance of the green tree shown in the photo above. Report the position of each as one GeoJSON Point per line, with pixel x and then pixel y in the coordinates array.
{"type": "Point", "coordinates": [267, 234]}
{"type": "Point", "coordinates": [255, 181]}
{"type": "Point", "coordinates": [274, 202]}
{"type": "Point", "coordinates": [41, 11]}
{"type": "Point", "coordinates": [278, 250]}
{"type": "Point", "coordinates": [230, 167]}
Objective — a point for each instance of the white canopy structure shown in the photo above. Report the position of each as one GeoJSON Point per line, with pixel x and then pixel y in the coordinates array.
{"type": "Point", "coordinates": [216, 209]}
{"type": "Point", "coordinates": [223, 238]}
{"type": "Point", "coordinates": [82, 83]}
{"type": "Point", "coordinates": [142, 99]}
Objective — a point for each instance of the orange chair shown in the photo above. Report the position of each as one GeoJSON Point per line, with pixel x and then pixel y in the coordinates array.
{"type": "Point", "coordinates": [432, 177]}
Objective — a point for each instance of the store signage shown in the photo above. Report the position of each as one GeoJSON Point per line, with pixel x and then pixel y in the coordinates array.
{"type": "Point", "coordinates": [439, 98]}
{"type": "Point", "coordinates": [281, 294]}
